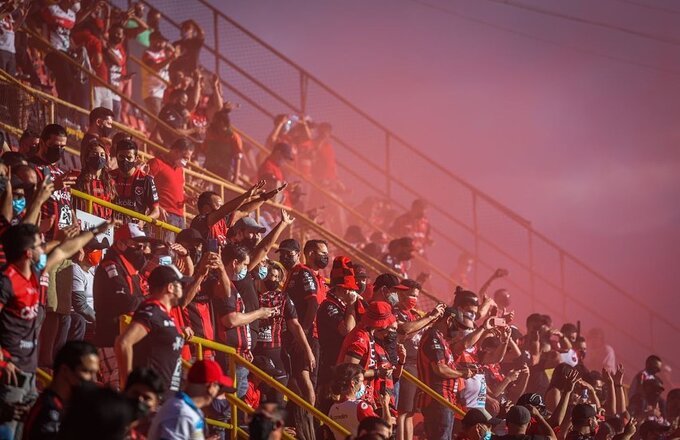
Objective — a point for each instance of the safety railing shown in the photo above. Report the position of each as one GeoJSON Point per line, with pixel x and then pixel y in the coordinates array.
{"type": "Point", "coordinates": [549, 277]}
{"type": "Point", "coordinates": [583, 309]}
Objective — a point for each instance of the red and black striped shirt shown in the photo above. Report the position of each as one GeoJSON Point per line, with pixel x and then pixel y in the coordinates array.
{"type": "Point", "coordinates": [137, 192]}
{"type": "Point", "coordinates": [270, 330]}
{"type": "Point", "coordinates": [94, 187]}
{"type": "Point", "coordinates": [434, 349]}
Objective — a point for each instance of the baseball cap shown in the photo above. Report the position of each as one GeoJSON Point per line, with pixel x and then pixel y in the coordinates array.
{"type": "Point", "coordinates": [390, 281]}
{"type": "Point", "coordinates": [285, 149]}
{"type": "Point", "coordinates": [360, 271]}
{"type": "Point", "coordinates": [650, 427]}
{"type": "Point", "coordinates": [96, 245]}
{"type": "Point", "coordinates": [164, 275]}
{"type": "Point", "coordinates": [208, 371]}
{"type": "Point", "coordinates": [518, 415]}
{"type": "Point", "coordinates": [342, 273]}
{"type": "Point", "coordinates": [248, 223]}
{"type": "Point", "coordinates": [379, 315]}
{"type": "Point", "coordinates": [582, 412]}
{"type": "Point", "coordinates": [128, 231]}
{"type": "Point", "coordinates": [189, 235]}
{"type": "Point", "coordinates": [533, 399]}
{"type": "Point", "coordinates": [476, 415]}
{"type": "Point", "coordinates": [289, 244]}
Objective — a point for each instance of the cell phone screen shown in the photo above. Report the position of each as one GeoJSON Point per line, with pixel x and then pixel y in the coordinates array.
{"type": "Point", "coordinates": [213, 245]}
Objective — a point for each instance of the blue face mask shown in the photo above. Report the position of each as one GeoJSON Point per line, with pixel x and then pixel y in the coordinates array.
{"type": "Point", "coordinates": [41, 263]}
{"type": "Point", "coordinates": [360, 393]}
{"type": "Point", "coordinates": [18, 205]}
{"type": "Point", "coordinates": [487, 435]}
{"type": "Point", "coordinates": [262, 272]}
{"type": "Point", "coordinates": [241, 274]}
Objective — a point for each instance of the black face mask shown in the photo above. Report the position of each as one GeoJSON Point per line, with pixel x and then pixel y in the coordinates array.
{"type": "Point", "coordinates": [271, 284]}
{"type": "Point", "coordinates": [288, 261]}
{"type": "Point", "coordinates": [125, 165]}
{"type": "Point", "coordinates": [105, 131]}
{"type": "Point", "coordinates": [136, 257]}
{"type": "Point", "coordinates": [195, 255]}
{"type": "Point", "coordinates": [53, 154]}
{"type": "Point", "coordinates": [96, 163]}
{"type": "Point", "coordinates": [321, 261]}
{"type": "Point", "coordinates": [249, 243]}
{"type": "Point", "coordinates": [389, 338]}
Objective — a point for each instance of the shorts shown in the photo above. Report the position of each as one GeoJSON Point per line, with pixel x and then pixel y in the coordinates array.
{"type": "Point", "coordinates": [407, 391]}
{"type": "Point", "coordinates": [108, 367]}
{"type": "Point", "coordinates": [297, 359]}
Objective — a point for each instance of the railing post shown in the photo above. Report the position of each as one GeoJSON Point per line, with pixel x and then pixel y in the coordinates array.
{"type": "Point", "coordinates": [388, 172]}
{"type": "Point", "coordinates": [216, 43]}
{"type": "Point", "coordinates": [563, 286]}
{"type": "Point", "coordinates": [51, 112]}
{"type": "Point", "coordinates": [199, 352]}
{"type": "Point", "coordinates": [234, 410]}
{"type": "Point", "coordinates": [304, 81]}
{"type": "Point", "coordinates": [532, 280]}
{"type": "Point", "coordinates": [475, 228]}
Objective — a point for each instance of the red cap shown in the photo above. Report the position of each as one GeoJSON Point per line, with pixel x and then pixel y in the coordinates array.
{"type": "Point", "coordinates": [342, 273]}
{"type": "Point", "coordinates": [379, 315]}
{"type": "Point", "coordinates": [207, 371]}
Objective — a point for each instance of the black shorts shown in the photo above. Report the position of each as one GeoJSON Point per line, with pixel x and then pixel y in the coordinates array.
{"type": "Point", "coordinates": [407, 391]}
{"type": "Point", "coordinates": [298, 359]}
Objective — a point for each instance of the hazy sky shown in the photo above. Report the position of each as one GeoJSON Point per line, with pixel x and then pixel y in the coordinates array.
{"type": "Point", "coordinates": [571, 125]}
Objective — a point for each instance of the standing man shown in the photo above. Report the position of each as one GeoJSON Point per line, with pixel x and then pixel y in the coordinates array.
{"type": "Point", "coordinates": [101, 127]}
{"type": "Point", "coordinates": [135, 189]}
{"type": "Point", "coordinates": [168, 173]}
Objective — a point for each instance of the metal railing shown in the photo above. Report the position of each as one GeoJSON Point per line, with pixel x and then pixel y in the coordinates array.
{"type": "Point", "coordinates": [549, 277]}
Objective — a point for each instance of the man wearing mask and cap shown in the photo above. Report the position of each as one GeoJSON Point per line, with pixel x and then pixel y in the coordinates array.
{"type": "Point", "coordinates": [168, 173]}
{"type": "Point", "coordinates": [518, 419]}
{"type": "Point", "coordinates": [118, 290]}
{"type": "Point", "coordinates": [152, 339]}
{"type": "Point", "coordinates": [338, 314]}
{"type": "Point", "coordinates": [307, 289]}
{"type": "Point", "coordinates": [438, 369]}
{"type": "Point", "coordinates": [477, 425]}
{"type": "Point", "coordinates": [57, 212]}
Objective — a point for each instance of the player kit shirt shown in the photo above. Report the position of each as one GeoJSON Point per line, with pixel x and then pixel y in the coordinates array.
{"type": "Point", "coordinates": [270, 329]}
{"type": "Point", "coordinates": [238, 337]}
{"type": "Point", "coordinates": [60, 23]}
{"type": "Point", "coordinates": [7, 34]}
{"type": "Point", "coordinates": [218, 231]}
{"type": "Point", "coordinates": [19, 318]}
{"type": "Point", "coordinates": [361, 345]}
{"type": "Point", "coordinates": [153, 86]}
{"type": "Point", "coordinates": [199, 312]}
{"type": "Point", "coordinates": [349, 414]}
{"type": "Point", "coordinates": [434, 349]}
{"type": "Point", "coordinates": [59, 204]}
{"type": "Point", "coordinates": [137, 192]}
{"type": "Point", "coordinates": [330, 314]}
{"type": "Point", "coordinates": [160, 349]}
{"type": "Point", "coordinates": [301, 285]}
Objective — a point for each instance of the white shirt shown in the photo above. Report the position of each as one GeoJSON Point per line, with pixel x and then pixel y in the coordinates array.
{"type": "Point", "coordinates": [60, 24]}
{"type": "Point", "coordinates": [349, 414]}
{"type": "Point", "coordinates": [7, 34]}
{"type": "Point", "coordinates": [152, 86]}
{"type": "Point", "coordinates": [84, 282]}
{"type": "Point", "coordinates": [178, 419]}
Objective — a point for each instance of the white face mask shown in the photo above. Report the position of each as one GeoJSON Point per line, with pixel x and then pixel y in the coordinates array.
{"type": "Point", "coordinates": [360, 392]}
{"type": "Point", "coordinates": [76, 7]}
{"type": "Point", "coordinates": [182, 163]}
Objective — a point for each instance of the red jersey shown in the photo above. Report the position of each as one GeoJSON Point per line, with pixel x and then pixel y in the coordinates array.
{"type": "Point", "coordinates": [169, 180]}
{"type": "Point", "coordinates": [58, 206]}
{"type": "Point", "coordinates": [217, 231]}
{"type": "Point", "coordinates": [94, 187]}
{"type": "Point", "coordinates": [19, 323]}
{"type": "Point", "coordinates": [435, 350]}
{"type": "Point", "coordinates": [271, 172]}
{"type": "Point", "coordinates": [270, 330]}
{"type": "Point", "coordinates": [303, 283]}
{"type": "Point", "coordinates": [136, 192]}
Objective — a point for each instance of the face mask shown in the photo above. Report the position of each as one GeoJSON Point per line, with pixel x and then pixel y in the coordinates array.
{"type": "Point", "coordinates": [360, 393]}
{"type": "Point", "coordinates": [195, 255]}
{"type": "Point", "coordinates": [41, 263]}
{"type": "Point", "coordinates": [240, 275]}
{"type": "Point", "coordinates": [321, 261]}
{"type": "Point", "coordinates": [271, 285]}
{"type": "Point", "coordinates": [487, 435]}
{"type": "Point", "coordinates": [182, 163]}
{"type": "Point", "coordinates": [53, 154]}
{"type": "Point", "coordinates": [96, 163]}
{"type": "Point", "coordinates": [411, 303]}
{"type": "Point", "coordinates": [362, 287]}
{"type": "Point", "coordinates": [125, 165]}
{"type": "Point", "coordinates": [288, 261]}
{"type": "Point", "coordinates": [389, 338]}
{"type": "Point", "coordinates": [249, 243]}
{"type": "Point", "coordinates": [105, 131]}
{"type": "Point", "coordinates": [392, 298]}
{"type": "Point", "coordinates": [94, 257]}
{"type": "Point", "coordinates": [3, 184]}
{"type": "Point", "coordinates": [262, 272]}
{"type": "Point", "coordinates": [18, 205]}
{"type": "Point", "coordinates": [469, 315]}
{"type": "Point", "coordinates": [136, 257]}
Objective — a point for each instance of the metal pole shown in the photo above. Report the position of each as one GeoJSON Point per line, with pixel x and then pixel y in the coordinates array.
{"type": "Point", "coordinates": [303, 92]}
{"type": "Point", "coordinates": [563, 285]}
{"type": "Point", "coordinates": [532, 281]}
{"type": "Point", "coordinates": [388, 168]}
{"type": "Point", "coordinates": [234, 410]}
{"type": "Point", "coordinates": [475, 227]}
{"type": "Point", "coordinates": [216, 42]}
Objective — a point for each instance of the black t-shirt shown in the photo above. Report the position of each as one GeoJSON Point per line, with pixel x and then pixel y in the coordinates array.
{"type": "Point", "coordinates": [160, 349]}
{"type": "Point", "coordinates": [302, 285]}
{"type": "Point", "coordinates": [174, 116]}
{"type": "Point", "coordinates": [188, 60]}
{"type": "Point", "coordinates": [237, 337]}
{"type": "Point", "coordinates": [330, 314]}
{"type": "Point", "coordinates": [246, 287]}
{"type": "Point", "coordinates": [44, 418]}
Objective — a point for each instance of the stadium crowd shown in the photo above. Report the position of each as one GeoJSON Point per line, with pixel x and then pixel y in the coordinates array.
{"type": "Point", "coordinates": [111, 319]}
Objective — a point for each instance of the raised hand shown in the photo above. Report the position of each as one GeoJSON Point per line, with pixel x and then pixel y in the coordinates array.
{"type": "Point", "coordinates": [286, 218]}
{"type": "Point", "coordinates": [45, 190]}
{"type": "Point", "coordinates": [500, 273]}
{"type": "Point", "coordinates": [572, 378]}
{"type": "Point", "coordinates": [256, 189]}
{"type": "Point", "coordinates": [618, 376]}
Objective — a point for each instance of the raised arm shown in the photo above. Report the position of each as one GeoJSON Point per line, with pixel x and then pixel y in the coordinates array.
{"type": "Point", "coordinates": [72, 245]}
{"type": "Point", "coordinates": [235, 203]}
{"type": "Point", "coordinates": [263, 247]}
{"type": "Point", "coordinates": [407, 328]}
{"type": "Point", "coordinates": [45, 190]}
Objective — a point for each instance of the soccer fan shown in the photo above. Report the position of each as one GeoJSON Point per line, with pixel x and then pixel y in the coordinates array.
{"type": "Point", "coordinates": [477, 425]}
{"type": "Point", "coordinates": [188, 47]}
{"type": "Point", "coordinates": [400, 252]}
{"type": "Point", "coordinates": [414, 224]}
{"type": "Point", "coordinates": [146, 387]}
{"type": "Point", "coordinates": [100, 128]}
{"type": "Point", "coordinates": [175, 114]}
{"type": "Point", "coordinates": [271, 170]}
{"type": "Point", "coordinates": [223, 147]}
{"type": "Point", "coordinates": [518, 419]}
{"type": "Point", "coordinates": [95, 179]}
{"type": "Point", "coordinates": [653, 367]}
{"type": "Point", "coordinates": [157, 57]}
{"type": "Point", "coordinates": [135, 189]}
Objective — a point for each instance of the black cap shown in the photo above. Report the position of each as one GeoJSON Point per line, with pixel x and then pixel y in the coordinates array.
{"type": "Point", "coordinates": [289, 244]}
{"type": "Point", "coordinates": [248, 223]}
{"type": "Point", "coordinates": [518, 416]}
{"type": "Point", "coordinates": [164, 275]}
{"type": "Point", "coordinates": [286, 150]}
{"type": "Point", "coordinates": [360, 271]}
{"type": "Point", "coordinates": [652, 427]}
{"type": "Point", "coordinates": [533, 399]}
{"type": "Point", "coordinates": [189, 235]}
{"type": "Point", "coordinates": [476, 415]}
{"type": "Point", "coordinates": [582, 412]}
{"type": "Point", "coordinates": [95, 245]}
{"type": "Point", "coordinates": [390, 281]}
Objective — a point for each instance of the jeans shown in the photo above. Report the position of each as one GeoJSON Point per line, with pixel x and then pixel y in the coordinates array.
{"type": "Point", "coordinates": [438, 421]}
{"type": "Point", "coordinates": [174, 220]}
{"type": "Point", "coordinates": [241, 381]}
{"type": "Point", "coordinates": [26, 393]}
{"type": "Point", "coordinates": [8, 62]}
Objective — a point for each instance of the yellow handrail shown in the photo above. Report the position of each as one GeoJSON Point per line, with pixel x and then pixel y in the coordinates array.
{"type": "Point", "coordinates": [432, 393]}
{"type": "Point", "coordinates": [240, 404]}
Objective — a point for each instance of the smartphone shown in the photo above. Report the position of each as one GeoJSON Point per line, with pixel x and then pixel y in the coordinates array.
{"type": "Point", "coordinates": [47, 173]}
{"type": "Point", "coordinates": [165, 260]}
{"type": "Point", "coordinates": [497, 322]}
{"type": "Point", "coordinates": [383, 387]}
{"type": "Point", "coordinates": [213, 245]}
